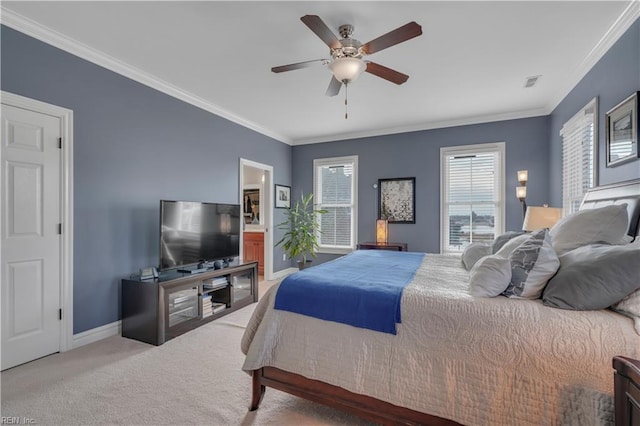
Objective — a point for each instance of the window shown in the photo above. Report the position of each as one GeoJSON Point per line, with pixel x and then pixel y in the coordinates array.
{"type": "Point", "coordinates": [578, 156]}
{"type": "Point", "coordinates": [335, 182]}
{"type": "Point", "coordinates": [472, 195]}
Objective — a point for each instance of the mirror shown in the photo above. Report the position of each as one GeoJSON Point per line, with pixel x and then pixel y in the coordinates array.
{"type": "Point", "coordinates": [251, 206]}
{"type": "Point", "coordinates": [622, 131]}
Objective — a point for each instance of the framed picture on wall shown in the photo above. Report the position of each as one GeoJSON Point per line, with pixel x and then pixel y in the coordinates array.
{"type": "Point", "coordinates": [283, 197]}
{"type": "Point", "coordinates": [622, 131]}
{"type": "Point", "coordinates": [397, 200]}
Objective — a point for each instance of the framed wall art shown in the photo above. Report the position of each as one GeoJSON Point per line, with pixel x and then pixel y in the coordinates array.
{"type": "Point", "coordinates": [622, 132]}
{"type": "Point", "coordinates": [251, 206]}
{"type": "Point", "coordinates": [283, 197]}
{"type": "Point", "coordinates": [397, 200]}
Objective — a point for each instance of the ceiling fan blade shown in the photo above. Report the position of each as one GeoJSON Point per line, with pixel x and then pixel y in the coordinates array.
{"type": "Point", "coordinates": [403, 33]}
{"type": "Point", "coordinates": [386, 73]}
{"type": "Point", "coordinates": [334, 87]}
{"type": "Point", "coordinates": [291, 67]}
{"type": "Point", "coordinates": [316, 25]}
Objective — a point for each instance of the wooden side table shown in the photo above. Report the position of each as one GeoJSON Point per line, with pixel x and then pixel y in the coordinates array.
{"type": "Point", "coordinates": [383, 246]}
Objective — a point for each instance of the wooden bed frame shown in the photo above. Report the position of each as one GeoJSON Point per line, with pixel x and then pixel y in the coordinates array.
{"type": "Point", "coordinates": [627, 377]}
{"type": "Point", "coordinates": [627, 391]}
{"type": "Point", "coordinates": [336, 397]}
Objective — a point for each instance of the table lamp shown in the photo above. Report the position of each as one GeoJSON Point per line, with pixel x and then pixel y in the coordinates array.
{"type": "Point", "coordinates": [538, 217]}
{"type": "Point", "coordinates": [382, 231]}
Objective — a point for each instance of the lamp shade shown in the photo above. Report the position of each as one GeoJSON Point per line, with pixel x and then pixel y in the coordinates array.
{"type": "Point", "coordinates": [523, 176]}
{"type": "Point", "coordinates": [382, 229]}
{"type": "Point", "coordinates": [347, 69]}
{"type": "Point", "coordinates": [521, 192]}
{"type": "Point", "coordinates": [540, 217]}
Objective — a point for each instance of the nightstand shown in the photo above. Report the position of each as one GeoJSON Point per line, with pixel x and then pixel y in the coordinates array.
{"type": "Point", "coordinates": [383, 246]}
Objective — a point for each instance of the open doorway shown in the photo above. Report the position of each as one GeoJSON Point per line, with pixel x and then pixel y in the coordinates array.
{"type": "Point", "coordinates": [256, 199]}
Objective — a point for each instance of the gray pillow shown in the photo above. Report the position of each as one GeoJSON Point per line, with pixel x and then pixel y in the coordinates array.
{"type": "Point", "coordinates": [474, 252]}
{"type": "Point", "coordinates": [502, 239]}
{"type": "Point", "coordinates": [594, 277]}
{"type": "Point", "coordinates": [533, 263]}
{"type": "Point", "coordinates": [602, 224]}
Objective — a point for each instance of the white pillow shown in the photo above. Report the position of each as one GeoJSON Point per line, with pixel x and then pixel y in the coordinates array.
{"type": "Point", "coordinates": [600, 225]}
{"type": "Point", "coordinates": [533, 263]}
{"type": "Point", "coordinates": [474, 252]}
{"type": "Point", "coordinates": [626, 239]}
{"type": "Point", "coordinates": [511, 245]}
{"type": "Point", "coordinates": [630, 306]}
{"type": "Point", "coordinates": [490, 276]}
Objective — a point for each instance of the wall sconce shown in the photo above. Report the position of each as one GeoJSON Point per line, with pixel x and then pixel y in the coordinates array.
{"type": "Point", "coordinates": [541, 217]}
{"type": "Point", "coordinates": [382, 231]}
{"type": "Point", "coordinates": [523, 177]}
{"type": "Point", "coordinates": [521, 191]}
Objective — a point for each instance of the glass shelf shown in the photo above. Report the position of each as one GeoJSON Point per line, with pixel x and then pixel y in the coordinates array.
{"type": "Point", "coordinates": [183, 306]}
{"type": "Point", "coordinates": [241, 286]}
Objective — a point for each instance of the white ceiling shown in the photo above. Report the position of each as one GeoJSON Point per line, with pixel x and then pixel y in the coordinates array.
{"type": "Point", "coordinates": [469, 66]}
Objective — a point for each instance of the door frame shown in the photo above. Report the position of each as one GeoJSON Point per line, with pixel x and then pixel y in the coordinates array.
{"type": "Point", "coordinates": [268, 212]}
{"type": "Point", "coordinates": [66, 205]}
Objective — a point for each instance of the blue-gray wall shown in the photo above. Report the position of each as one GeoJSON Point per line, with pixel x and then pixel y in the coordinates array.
{"type": "Point", "coordinates": [614, 77]}
{"type": "Point", "coordinates": [533, 144]}
{"type": "Point", "coordinates": [418, 154]}
{"type": "Point", "coordinates": [133, 146]}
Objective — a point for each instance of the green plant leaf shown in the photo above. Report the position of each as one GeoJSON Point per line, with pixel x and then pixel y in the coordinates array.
{"type": "Point", "coordinates": [302, 229]}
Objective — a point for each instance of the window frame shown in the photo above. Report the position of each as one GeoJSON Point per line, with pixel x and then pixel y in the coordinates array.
{"type": "Point", "coordinates": [339, 161]}
{"type": "Point", "coordinates": [465, 150]}
{"type": "Point", "coordinates": [592, 104]}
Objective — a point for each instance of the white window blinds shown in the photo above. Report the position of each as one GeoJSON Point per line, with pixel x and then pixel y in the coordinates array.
{"type": "Point", "coordinates": [578, 156]}
{"type": "Point", "coordinates": [335, 183]}
{"type": "Point", "coordinates": [472, 195]}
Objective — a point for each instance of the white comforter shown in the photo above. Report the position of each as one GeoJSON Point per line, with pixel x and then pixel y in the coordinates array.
{"type": "Point", "coordinates": [476, 361]}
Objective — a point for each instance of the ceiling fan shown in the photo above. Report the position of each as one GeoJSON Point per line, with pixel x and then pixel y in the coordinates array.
{"type": "Point", "coordinates": [346, 61]}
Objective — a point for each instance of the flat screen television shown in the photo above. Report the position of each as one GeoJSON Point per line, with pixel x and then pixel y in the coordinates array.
{"type": "Point", "coordinates": [194, 232]}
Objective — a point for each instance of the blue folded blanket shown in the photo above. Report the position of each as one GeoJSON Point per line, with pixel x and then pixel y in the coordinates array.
{"type": "Point", "coordinates": [362, 289]}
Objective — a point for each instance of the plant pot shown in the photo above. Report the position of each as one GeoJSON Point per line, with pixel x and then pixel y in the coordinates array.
{"type": "Point", "coordinates": [302, 264]}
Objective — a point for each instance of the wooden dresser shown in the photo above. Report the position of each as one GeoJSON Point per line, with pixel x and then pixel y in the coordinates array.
{"type": "Point", "coordinates": [254, 249]}
{"type": "Point", "coordinates": [627, 391]}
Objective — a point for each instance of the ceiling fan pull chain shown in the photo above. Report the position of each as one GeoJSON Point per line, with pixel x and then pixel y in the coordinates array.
{"type": "Point", "coordinates": [346, 91]}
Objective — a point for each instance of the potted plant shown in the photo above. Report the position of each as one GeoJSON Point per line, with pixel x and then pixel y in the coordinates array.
{"type": "Point", "coordinates": [303, 229]}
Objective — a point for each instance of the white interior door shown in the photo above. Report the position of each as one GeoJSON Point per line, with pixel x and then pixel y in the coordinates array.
{"type": "Point", "coordinates": [30, 243]}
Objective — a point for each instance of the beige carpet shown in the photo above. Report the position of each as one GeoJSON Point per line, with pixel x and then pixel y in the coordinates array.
{"type": "Point", "coordinates": [193, 379]}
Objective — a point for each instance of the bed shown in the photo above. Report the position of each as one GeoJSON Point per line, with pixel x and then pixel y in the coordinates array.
{"type": "Point", "coordinates": [456, 359]}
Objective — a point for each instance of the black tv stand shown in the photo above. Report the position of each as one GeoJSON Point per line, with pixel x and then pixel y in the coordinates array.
{"type": "Point", "coordinates": [176, 302]}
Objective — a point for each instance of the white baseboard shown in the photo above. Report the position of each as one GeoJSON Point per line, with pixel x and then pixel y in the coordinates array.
{"type": "Point", "coordinates": [283, 273]}
{"type": "Point", "coordinates": [96, 334]}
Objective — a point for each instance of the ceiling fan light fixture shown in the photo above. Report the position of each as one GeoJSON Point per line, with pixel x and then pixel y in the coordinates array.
{"type": "Point", "coordinates": [347, 69]}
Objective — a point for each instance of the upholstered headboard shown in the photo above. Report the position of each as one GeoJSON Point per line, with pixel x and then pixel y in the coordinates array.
{"type": "Point", "coordinates": [617, 193]}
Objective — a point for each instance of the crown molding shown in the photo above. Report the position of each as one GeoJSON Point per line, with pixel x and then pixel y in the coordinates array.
{"type": "Point", "coordinates": [619, 27]}
{"type": "Point", "coordinates": [70, 45]}
{"type": "Point", "coordinates": [467, 121]}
